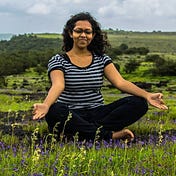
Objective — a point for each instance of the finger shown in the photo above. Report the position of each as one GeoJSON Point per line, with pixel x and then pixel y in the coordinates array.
{"type": "Point", "coordinates": [163, 104]}
{"type": "Point", "coordinates": [38, 116]}
{"type": "Point", "coordinates": [35, 117]}
{"type": "Point", "coordinates": [157, 105]}
{"type": "Point", "coordinates": [160, 95]}
{"type": "Point", "coordinates": [35, 106]}
{"type": "Point", "coordinates": [164, 107]}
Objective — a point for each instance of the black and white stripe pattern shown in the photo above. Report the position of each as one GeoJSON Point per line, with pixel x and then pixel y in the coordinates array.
{"type": "Point", "coordinates": [82, 85]}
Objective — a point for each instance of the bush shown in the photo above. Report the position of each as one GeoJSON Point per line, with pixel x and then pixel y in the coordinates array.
{"type": "Point", "coordinates": [114, 52]}
{"type": "Point", "coordinates": [2, 82]}
{"type": "Point", "coordinates": [131, 65]}
{"type": "Point", "coordinates": [164, 67]}
{"type": "Point", "coordinates": [152, 58]}
{"type": "Point", "coordinates": [134, 50]}
{"type": "Point", "coordinates": [123, 47]}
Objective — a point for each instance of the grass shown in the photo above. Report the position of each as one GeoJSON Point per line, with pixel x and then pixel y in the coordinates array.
{"type": "Point", "coordinates": [152, 153]}
{"type": "Point", "coordinates": [49, 35]}
{"type": "Point", "coordinates": [36, 153]}
{"type": "Point", "coordinates": [113, 158]}
{"type": "Point", "coordinates": [154, 42]}
{"type": "Point", "coordinates": [15, 103]}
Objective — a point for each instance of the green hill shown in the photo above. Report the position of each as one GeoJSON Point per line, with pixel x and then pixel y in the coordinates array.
{"type": "Point", "coordinates": [158, 42]}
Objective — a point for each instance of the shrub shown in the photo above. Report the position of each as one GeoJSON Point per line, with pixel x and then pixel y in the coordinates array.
{"type": "Point", "coordinates": [131, 65]}
{"type": "Point", "coordinates": [164, 68]}
{"type": "Point", "coordinates": [152, 58]}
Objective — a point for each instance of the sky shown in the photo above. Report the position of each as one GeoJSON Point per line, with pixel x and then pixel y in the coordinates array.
{"type": "Point", "coordinates": [50, 16]}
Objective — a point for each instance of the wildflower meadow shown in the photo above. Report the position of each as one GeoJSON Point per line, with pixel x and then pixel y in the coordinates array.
{"type": "Point", "coordinates": [32, 151]}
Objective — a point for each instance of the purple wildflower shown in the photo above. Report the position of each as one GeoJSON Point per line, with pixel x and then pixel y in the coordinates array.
{"type": "Point", "coordinates": [110, 159]}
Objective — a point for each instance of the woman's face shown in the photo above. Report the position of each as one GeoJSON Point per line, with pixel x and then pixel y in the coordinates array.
{"type": "Point", "coordinates": [82, 34]}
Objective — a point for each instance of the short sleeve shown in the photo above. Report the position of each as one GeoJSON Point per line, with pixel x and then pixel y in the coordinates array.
{"type": "Point", "coordinates": [56, 63]}
{"type": "Point", "coordinates": [107, 60]}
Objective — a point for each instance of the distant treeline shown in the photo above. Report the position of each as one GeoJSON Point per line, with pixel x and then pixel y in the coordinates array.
{"type": "Point", "coordinates": [119, 31]}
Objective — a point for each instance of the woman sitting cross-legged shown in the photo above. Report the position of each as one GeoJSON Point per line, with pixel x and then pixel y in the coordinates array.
{"type": "Point", "coordinates": [77, 77]}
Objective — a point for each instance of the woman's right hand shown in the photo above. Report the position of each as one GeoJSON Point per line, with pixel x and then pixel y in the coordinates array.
{"type": "Point", "coordinates": [39, 110]}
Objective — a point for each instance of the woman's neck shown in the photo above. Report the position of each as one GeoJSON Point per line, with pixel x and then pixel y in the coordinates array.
{"type": "Point", "coordinates": [79, 52]}
{"type": "Point", "coordinates": [80, 58]}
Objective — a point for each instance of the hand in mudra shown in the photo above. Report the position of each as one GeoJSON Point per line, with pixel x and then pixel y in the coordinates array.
{"type": "Point", "coordinates": [156, 100]}
{"type": "Point", "coordinates": [39, 110]}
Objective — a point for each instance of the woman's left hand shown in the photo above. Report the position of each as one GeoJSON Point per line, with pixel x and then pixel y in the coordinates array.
{"type": "Point", "coordinates": [156, 100]}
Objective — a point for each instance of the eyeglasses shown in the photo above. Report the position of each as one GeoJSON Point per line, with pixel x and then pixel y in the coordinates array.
{"type": "Point", "coordinates": [80, 31]}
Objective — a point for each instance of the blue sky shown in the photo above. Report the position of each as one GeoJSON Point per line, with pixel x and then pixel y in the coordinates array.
{"type": "Point", "coordinates": [38, 16]}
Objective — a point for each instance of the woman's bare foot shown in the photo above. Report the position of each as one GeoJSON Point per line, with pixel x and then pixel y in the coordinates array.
{"type": "Point", "coordinates": [123, 134]}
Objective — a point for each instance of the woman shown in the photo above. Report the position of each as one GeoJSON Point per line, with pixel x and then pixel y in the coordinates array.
{"type": "Point", "coordinates": [77, 78]}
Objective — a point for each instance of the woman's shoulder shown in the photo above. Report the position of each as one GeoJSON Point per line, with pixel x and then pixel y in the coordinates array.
{"type": "Point", "coordinates": [58, 58]}
{"type": "Point", "coordinates": [102, 57]}
{"type": "Point", "coordinates": [56, 62]}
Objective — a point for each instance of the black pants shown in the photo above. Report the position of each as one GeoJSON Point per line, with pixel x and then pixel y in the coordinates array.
{"type": "Point", "coordinates": [102, 120]}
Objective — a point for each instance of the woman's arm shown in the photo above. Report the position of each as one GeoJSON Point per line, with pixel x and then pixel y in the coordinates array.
{"type": "Point", "coordinates": [119, 82]}
{"type": "Point", "coordinates": [111, 73]}
{"type": "Point", "coordinates": [58, 85]}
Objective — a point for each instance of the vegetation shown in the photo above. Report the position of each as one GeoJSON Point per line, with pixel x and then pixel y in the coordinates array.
{"type": "Point", "coordinates": [26, 147]}
{"type": "Point", "coordinates": [25, 51]}
{"type": "Point", "coordinates": [114, 158]}
{"type": "Point", "coordinates": [156, 42]}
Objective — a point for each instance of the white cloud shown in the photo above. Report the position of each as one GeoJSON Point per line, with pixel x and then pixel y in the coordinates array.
{"type": "Point", "coordinates": [138, 8]}
{"type": "Point", "coordinates": [112, 8]}
{"type": "Point", "coordinates": [78, 1]}
{"type": "Point", "coordinates": [39, 8]}
{"type": "Point", "coordinates": [139, 14]}
{"type": "Point", "coordinates": [52, 14]}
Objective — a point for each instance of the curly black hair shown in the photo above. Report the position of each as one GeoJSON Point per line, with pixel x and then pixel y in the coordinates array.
{"type": "Point", "coordinates": [99, 43]}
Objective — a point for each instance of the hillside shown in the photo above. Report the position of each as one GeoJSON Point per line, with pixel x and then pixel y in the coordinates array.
{"type": "Point", "coordinates": [158, 42]}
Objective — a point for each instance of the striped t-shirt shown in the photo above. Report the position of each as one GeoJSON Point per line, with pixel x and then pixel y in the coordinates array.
{"type": "Point", "coordinates": [82, 84]}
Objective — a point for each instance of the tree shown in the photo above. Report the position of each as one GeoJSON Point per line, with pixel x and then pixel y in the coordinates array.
{"type": "Point", "coordinates": [25, 51]}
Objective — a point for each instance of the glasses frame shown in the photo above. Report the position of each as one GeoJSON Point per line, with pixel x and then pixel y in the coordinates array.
{"type": "Point", "coordinates": [85, 31]}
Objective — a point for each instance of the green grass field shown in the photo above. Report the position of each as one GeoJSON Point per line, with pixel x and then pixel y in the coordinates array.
{"type": "Point", "coordinates": [155, 43]}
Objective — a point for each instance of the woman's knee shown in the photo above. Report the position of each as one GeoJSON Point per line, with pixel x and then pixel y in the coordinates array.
{"type": "Point", "coordinates": [57, 114]}
{"type": "Point", "coordinates": [140, 103]}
